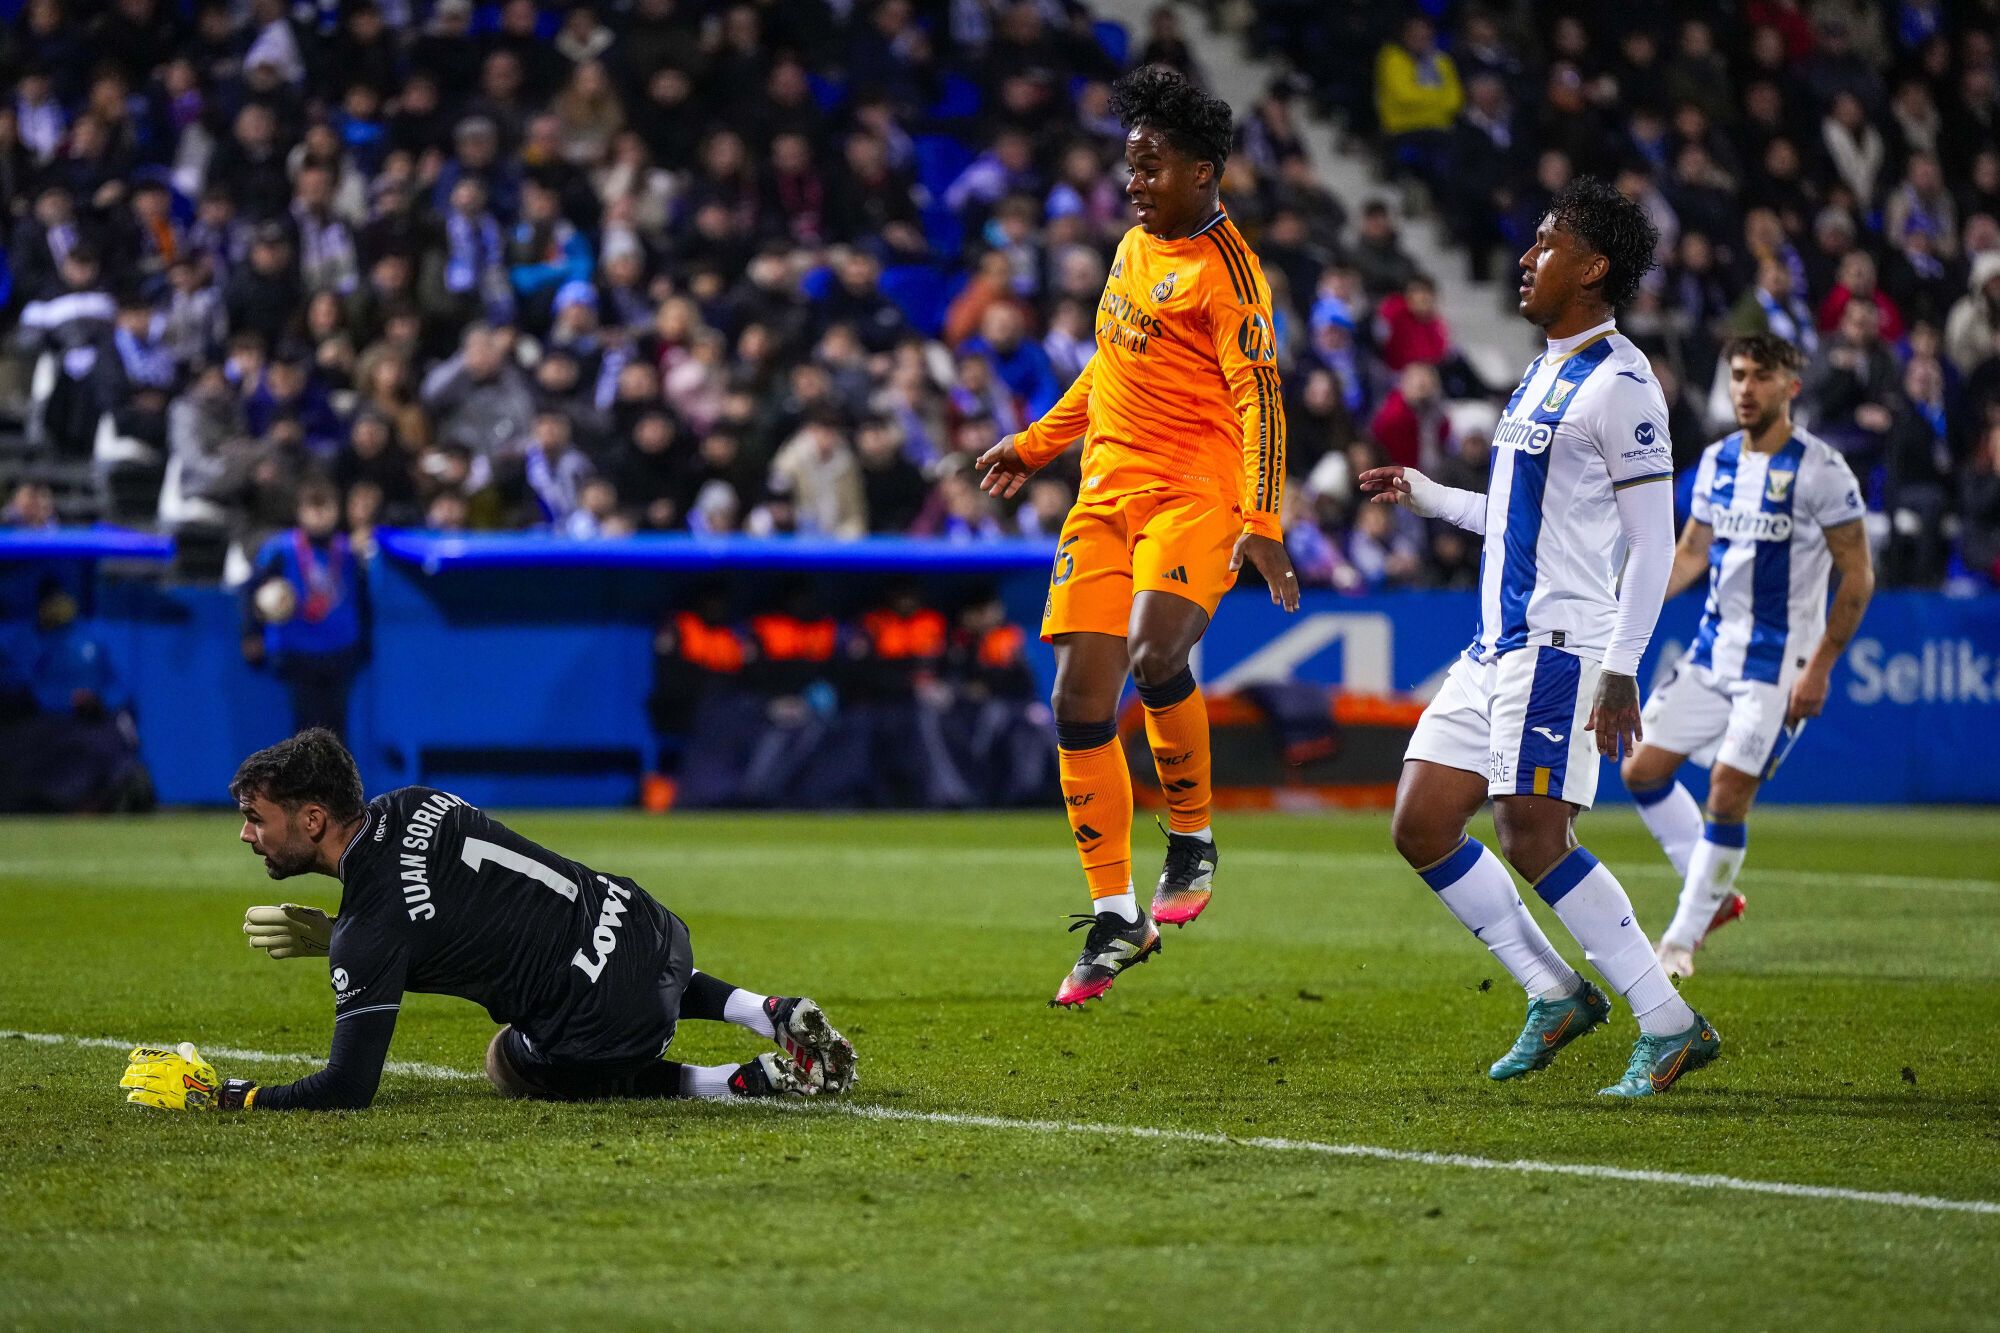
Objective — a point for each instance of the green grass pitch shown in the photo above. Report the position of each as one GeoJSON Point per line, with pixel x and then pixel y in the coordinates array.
{"type": "Point", "coordinates": [1324, 997]}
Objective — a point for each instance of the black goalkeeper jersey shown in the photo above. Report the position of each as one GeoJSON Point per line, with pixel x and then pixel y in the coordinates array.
{"type": "Point", "coordinates": [440, 898]}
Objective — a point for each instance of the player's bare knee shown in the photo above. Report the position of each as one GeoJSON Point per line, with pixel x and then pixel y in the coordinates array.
{"type": "Point", "coordinates": [1079, 707]}
{"type": "Point", "coordinates": [1730, 795]}
{"type": "Point", "coordinates": [500, 1072]}
{"type": "Point", "coordinates": [1422, 839]}
{"type": "Point", "coordinates": [1533, 836]}
{"type": "Point", "coordinates": [1155, 663]}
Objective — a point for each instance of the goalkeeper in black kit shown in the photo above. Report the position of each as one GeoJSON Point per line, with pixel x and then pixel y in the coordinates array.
{"type": "Point", "coordinates": [588, 973]}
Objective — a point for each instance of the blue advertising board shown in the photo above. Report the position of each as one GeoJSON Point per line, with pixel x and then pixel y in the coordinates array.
{"type": "Point", "coordinates": [522, 680]}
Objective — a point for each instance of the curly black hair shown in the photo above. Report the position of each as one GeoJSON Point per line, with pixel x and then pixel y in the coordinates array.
{"type": "Point", "coordinates": [1159, 97]}
{"type": "Point", "coordinates": [312, 766]}
{"type": "Point", "coordinates": [1591, 209]}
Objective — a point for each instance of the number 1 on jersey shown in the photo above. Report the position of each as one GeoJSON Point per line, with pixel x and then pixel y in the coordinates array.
{"type": "Point", "coordinates": [478, 852]}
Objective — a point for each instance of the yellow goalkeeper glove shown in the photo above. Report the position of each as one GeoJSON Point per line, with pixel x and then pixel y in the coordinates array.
{"type": "Point", "coordinates": [289, 930]}
{"type": "Point", "coordinates": [171, 1078]}
{"type": "Point", "coordinates": [176, 1078]}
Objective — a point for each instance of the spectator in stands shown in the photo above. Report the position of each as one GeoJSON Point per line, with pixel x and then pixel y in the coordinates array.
{"type": "Point", "coordinates": [1979, 508]}
{"type": "Point", "coordinates": [1772, 306]}
{"type": "Point", "coordinates": [1417, 97]}
{"type": "Point", "coordinates": [306, 611]}
{"type": "Point", "coordinates": [478, 398]}
{"type": "Point", "coordinates": [1856, 282]}
{"type": "Point", "coordinates": [1018, 361]}
{"type": "Point", "coordinates": [1972, 331]}
{"type": "Point", "coordinates": [1485, 155]}
{"type": "Point", "coordinates": [1412, 426]}
{"type": "Point", "coordinates": [68, 742]}
{"type": "Point", "coordinates": [32, 508]}
{"type": "Point", "coordinates": [1917, 480]}
{"type": "Point", "coordinates": [1378, 254]}
{"type": "Point", "coordinates": [1853, 387]}
{"type": "Point", "coordinates": [817, 470]}
{"type": "Point", "coordinates": [893, 487]}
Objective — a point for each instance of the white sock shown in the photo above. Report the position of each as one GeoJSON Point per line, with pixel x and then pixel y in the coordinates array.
{"type": "Point", "coordinates": [1204, 833]}
{"type": "Point", "coordinates": [746, 1010]}
{"type": "Point", "coordinates": [1671, 813]}
{"type": "Point", "coordinates": [1125, 904]}
{"type": "Point", "coordinates": [1594, 907]}
{"type": "Point", "coordinates": [1476, 888]}
{"type": "Point", "coordinates": [1711, 877]}
{"type": "Point", "coordinates": [707, 1081]}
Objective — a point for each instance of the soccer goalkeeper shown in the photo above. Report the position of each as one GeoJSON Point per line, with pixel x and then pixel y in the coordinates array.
{"type": "Point", "coordinates": [587, 972]}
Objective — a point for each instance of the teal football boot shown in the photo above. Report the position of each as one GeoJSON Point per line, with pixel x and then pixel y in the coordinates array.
{"type": "Point", "coordinates": [1658, 1062]}
{"type": "Point", "coordinates": [1552, 1025]}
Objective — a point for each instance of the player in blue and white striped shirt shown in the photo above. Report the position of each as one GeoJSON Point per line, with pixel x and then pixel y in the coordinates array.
{"type": "Point", "coordinates": [1775, 512]}
{"type": "Point", "coordinates": [1578, 520]}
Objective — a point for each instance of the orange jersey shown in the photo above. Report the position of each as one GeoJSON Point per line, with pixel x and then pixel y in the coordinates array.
{"type": "Point", "coordinates": [1182, 392]}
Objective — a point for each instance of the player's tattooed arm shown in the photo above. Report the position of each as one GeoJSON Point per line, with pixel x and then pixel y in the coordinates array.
{"type": "Point", "coordinates": [1848, 544]}
{"type": "Point", "coordinates": [1614, 715]}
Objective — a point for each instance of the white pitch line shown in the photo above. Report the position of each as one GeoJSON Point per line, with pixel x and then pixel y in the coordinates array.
{"type": "Point", "coordinates": [415, 1067]}
{"type": "Point", "coordinates": [1365, 1151]}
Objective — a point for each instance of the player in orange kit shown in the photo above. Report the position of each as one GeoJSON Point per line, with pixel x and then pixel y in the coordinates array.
{"type": "Point", "coordinates": [1183, 482]}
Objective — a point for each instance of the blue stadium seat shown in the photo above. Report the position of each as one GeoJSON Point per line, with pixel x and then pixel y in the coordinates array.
{"type": "Point", "coordinates": [921, 292]}
{"type": "Point", "coordinates": [945, 231]}
{"type": "Point", "coordinates": [1116, 41]}
{"type": "Point", "coordinates": [958, 98]}
{"type": "Point", "coordinates": [828, 94]}
{"type": "Point", "coordinates": [940, 158]}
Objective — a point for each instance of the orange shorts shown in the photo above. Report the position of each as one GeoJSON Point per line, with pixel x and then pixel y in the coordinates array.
{"type": "Point", "coordinates": [1112, 550]}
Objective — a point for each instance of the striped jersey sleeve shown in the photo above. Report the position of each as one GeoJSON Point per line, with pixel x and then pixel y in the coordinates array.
{"type": "Point", "coordinates": [1246, 349]}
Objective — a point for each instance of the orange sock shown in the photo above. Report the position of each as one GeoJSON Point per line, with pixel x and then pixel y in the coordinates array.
{"type": "Point", "coordinates": [1177, 727]}
{"type": "Point", "coordinates": [1097, 788]}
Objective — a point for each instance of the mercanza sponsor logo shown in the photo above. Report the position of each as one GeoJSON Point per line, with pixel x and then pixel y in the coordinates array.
{"type": "Point", "coordinates": [1748, 525]}
{"type": "Point", "coordinates": [1937, 671]}
{"type": "Point", "coordinates": [1530, 437]}
{"type": "Point", "coordinates": [604, 939]}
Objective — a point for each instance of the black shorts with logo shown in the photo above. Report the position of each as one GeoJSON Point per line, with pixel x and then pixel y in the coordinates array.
{"type": "Point", "coordinates": [616, 1033]}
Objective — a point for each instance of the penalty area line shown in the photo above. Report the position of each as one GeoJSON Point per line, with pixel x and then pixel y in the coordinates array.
{"type": "Point", "coordinates": [1147, 1133]}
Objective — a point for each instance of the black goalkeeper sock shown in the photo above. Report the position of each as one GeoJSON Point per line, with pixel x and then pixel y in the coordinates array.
{"type": "Point", "coordinates": [706, 998]}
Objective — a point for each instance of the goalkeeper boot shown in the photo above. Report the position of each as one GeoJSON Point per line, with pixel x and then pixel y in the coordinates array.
{"type": "Point", "coordinates": [1551, 1025]}
{"type": "Point", "coordinates": [772, 1075]}
{"type": "Point", "coordinates": [1112, 945]}
{"type": "Point", "coordinates": [1186, 881]}
{"type": "Point", "coordinates": [811, 1041]}
{"type": "Point", "coordinates": [1658, 1062]}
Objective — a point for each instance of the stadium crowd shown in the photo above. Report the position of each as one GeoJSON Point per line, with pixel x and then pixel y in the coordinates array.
{"type": "Point", "coordinates": [787, 266]}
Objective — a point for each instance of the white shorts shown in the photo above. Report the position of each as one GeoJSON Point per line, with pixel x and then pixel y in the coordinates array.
{"type": "Point", "coordinates": [1519, 720]}
{"type": "Point", "coordinates": [1712, 719]}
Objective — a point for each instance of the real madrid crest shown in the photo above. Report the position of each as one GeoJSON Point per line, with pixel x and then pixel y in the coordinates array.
{"type": "Point", "coordinates": [1164, 288]}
